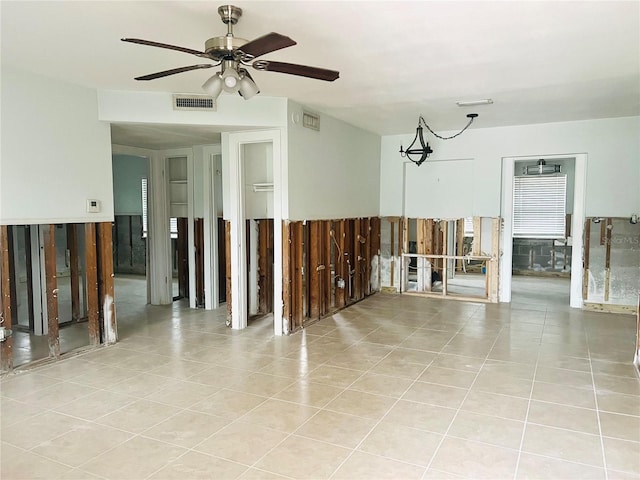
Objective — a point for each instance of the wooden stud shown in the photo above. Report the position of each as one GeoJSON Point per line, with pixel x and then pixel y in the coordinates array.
{"type": "Point", "coordinates": [607, 260]}
{"type": "Point", "coordinates": [107, 290]}
{"type": "Point", "coordinates": [6, 347]}
{"type": "Point", "coordinates": [286, 276]}
{"type": "Point", "coordinates": [477, 236]}
{"type": "Point", "coordinates": [298, 279]}
{"type": "Point", "coordinates": [493, 271]}
{"type": "Point", "coordinates": [326, 261]}
{"type": "Point", "coordinates": [341, 274]}
{"type": "Point", "coordinates": [74, 270]}
{"type": "Point", "coordinates": [366, 253]}
{"type": "Point", "coordinates": [356, 261]}
{"type": "Point", "coordinates": [587, 241]}
{"type": "Point", "coordinates": [393, 254]}
{"type": "Point", "coordinates": [313, 256]}
{"type": "Point", "coordinates": [603, 233]}
{"type": "Point", "coordinates": [459, 242]}
{"type": "Point", "coordinates": [443, 247]}
{"type": "Point", "coordinates": [91, 267]}
{"type": "Point", "coordinates": [52, 290]}
{"type": "Point", "coordinates": [29, 269]}
{"type": "Point", "coordinates": [182, 257]}
{"type": "Point", "coordinates": [198, 245]}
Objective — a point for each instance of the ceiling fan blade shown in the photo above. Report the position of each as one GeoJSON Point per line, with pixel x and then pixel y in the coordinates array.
{"type": "Point", "coordinates": [173, 71]}
{"type": "Point", "coordinates": [164, 45]}
{"type": "Point", "coordinates": [300, 70]}
{"type": "Point", "coordinates": [266, 44]}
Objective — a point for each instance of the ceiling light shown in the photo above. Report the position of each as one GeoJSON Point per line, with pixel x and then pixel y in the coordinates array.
{"type": "Point", "coordinates": [473, 103]}
{"type": "Point", "coordinates": [231, 79]}
{"type": "Point", "coordinates": [248, 87]}
{"type": "Point", "coordinates": [425, 150]}
{"type": "Point", "coordinates": [213, 86]}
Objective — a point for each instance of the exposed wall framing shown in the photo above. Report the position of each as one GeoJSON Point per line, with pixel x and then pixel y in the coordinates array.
{"type": "Point", "coordinates": [100, 297]}
{"type": "Point", "coordinates": [327, 265]}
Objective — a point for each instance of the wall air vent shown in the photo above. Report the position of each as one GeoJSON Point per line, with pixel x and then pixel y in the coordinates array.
{"type": "Point", "coordinates": [311, 120]}
{"type": "Point", "coordinates": [194, 102]}
{"type": "Point", "coordinates": [541, 169]}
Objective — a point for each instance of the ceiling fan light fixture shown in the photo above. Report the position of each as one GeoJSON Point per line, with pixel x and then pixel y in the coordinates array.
{"type": "Point", "coordinates": [231, 80]}
{"type": "Point", "coordinates": [248, 87]}
{"type": "Point", "coordinates": [213, 86]}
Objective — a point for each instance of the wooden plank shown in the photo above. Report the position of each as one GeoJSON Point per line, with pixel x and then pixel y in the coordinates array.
{"type": "Point", "coordinates": [227, 266]}
{"type": "Point", "coordinates": [52, 290]}
{"type": "Point", "coordinates": [494, 270]}
{"type": "Point", "coordinates": [366, 253]}
{"type": "Point", "coordinates": [74, 270]}
{"type": "Point", "coordinates": [198, 245]}
{"type": "Point", "coordinates": [6, 347]}
{"type": "Point", "coordinates": [356, 260]}
{"type": "Point", "coordinates": [29, 269]}
{"type": "Point", "coordinates": [476, 247]}
{"type": "Point", "coordinates": [182, 257]}
{"type": "Point", "coordinates": [393, 254]}
{"type": "Point", "coordinates": [375, 247]}
{"type": "Point", "coordinates": [313, 276]}
{"type": "Point", "coordinates": [609, 308]}
{"type": "Point", "coordinates": [339, 234]}
{"type": "Point", "coordinates": [326, 273]}
{"type": "Point", "coordinates": [607, 260]}
{"type": "Point", "coordinates": [286, 276]}
{"type": "Point", "coordinates": [91, 269]}
{"type": "Point", "coordinates": [349, 260]}
{"type": "Point", "coordinates": [11, 231]}
{"type": "Point", "coordinates": [298, 283]}
{"type": "Point", "coordinates": [443, 247]}
{"type": "Point", "coordinates": [263, 243]}
{"type": "Point", "coordinates": [459, 242]}
{"type": "Point", "coordinates": [107, 291]}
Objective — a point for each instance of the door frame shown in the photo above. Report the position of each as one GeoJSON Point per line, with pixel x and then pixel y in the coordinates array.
{"type": "Point", "coordinates": [577, 224]}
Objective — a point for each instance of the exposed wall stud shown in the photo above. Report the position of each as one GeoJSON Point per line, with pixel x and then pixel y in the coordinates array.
{"type": "Point", "coordinates": [91, 267]}
{"type": "Point", "coordinates": [52, 290]}
{"type": "Point", "coordinates": [587, 241]}
{"type": "Point", "coordinates": [6, 347]}
{"type": "Point", "coordinates": [107, 291]}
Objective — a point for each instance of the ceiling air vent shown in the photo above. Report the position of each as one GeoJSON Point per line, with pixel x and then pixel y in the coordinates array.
{"type": "Point", "coordinates": [194, 102]}
{"type": "Point", "coordinates": [311, 120]}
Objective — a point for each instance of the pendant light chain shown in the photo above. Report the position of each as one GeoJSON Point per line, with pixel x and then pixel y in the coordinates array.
{"type": "Point", "coordinates": [422, 121]}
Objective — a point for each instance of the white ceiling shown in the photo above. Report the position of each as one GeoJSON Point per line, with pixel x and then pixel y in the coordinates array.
{"type": "Point", "coordinates": [540, 61]}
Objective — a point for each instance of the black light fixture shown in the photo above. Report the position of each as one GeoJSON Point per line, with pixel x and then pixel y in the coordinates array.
{"type": "Point", "coordinates": [425, 150]}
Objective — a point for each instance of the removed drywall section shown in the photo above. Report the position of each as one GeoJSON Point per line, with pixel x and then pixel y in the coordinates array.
{"type": "Point", "coordinates": [55, 153]}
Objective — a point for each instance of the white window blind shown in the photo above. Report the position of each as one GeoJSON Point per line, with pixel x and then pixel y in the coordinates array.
{"type": "Point", "coordinates": [173, 222]}
{"type": "Point", "coordinates": [539, 206]}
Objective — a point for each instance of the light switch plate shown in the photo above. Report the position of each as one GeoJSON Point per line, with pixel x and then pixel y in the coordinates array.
{"type": "Point", "coordinates": [93, 206]}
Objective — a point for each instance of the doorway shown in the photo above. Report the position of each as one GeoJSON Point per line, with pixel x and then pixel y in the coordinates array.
{"type": "Point", "coordinates": [575, 226]}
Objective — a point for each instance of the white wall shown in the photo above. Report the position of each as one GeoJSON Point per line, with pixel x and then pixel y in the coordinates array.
{"type": "Point", "coordinates": [258, 168]}
{"type": "Point", "coordinates": [613, 165]}
{"type": "Point", "coordinates": [55, 152]}
{"type": "Point", "coordinates": [333, 173]}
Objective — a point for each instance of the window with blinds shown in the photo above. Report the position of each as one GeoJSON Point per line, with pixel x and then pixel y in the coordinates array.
{"type": "Point", "coordinates": [173, 222]}
{"type": "Point", "coordinates": [539, 206]}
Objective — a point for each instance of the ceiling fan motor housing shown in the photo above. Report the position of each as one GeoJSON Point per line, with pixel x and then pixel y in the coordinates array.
{"type": "Point", "coordinates": [230, 14]}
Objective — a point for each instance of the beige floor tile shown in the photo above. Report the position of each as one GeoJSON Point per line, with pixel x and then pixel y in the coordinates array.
{"type": "Point", "coordinates": [280, 415]}
{"type": "Point", "coordinates": [535, 467]}
{"type": "Point", "coordinates": [257, 474]}
{"type": "Point", "coordinates": [411, 356]}
{"type": "Point", "coordinates": [262, 384]}
{"type": "Point", "coordinates": [505, 406]}
{"type": "Point", "coordinates": [564, 377]}
{"type": "Point", "coordinates": [398, 367]}
{"type": "Point", "coordinates": [241, 442]}
{"type": "Point", "coordinates": [309, 393]}
{"type": "Point", "coordinates": [40, 428]}
{"type": "Point", "coordinates": [616, 475]}
{"type": "Point", "coordinates": [421, 415]}
{"type": "Point", "coordinates": [321, 459]}
{"type": "Point", "coordinates": [618, 403]}
{"type": "Point", "coordinates": [361, 404]}
{"type": "Point", "coordinates": [182, 394]}
{"type": "Point", "coordinates": [13, 411]}
{"type": "Point", "coordinates": [103, 376]}
{"type": "Point", "coordinates": [186, 429]}
{"type": "Point", "coordinates": [81, 444]}
{"type": "Point", "coordinates": [135, 459]}
{"type": "Point", "coordinates": [96, 405]}
{"type": "Point", "coordinates": [447, 376]}
{"type": "Point", "coordinates": [335, 376]}
{"type": "Point", "coordinates": [563, 444]}
{"type": "Point", "coordinates": [522, 370]}
{"type": "Point", "coordinates": [626, 386]}
{"type": "Point", "coordinates": [19, 464]}
{"type": "Point", "coordinates": [194, 465]}
{"type": "Point", "coordinates": [622, 455]}
{"type": "Point", "coordinates": [564, 416]}
{"type": "Point", "coordinates": [601, 367]}
{"type": "Point", "coordinates": [363, 466]}
{"type": "Point", "coordinates": [228, 404]}
{"type": "Point", "coordinates": [138, 416]}
{"type": "Point", "coordinates": [179, 369]}
{"type": "Point", "coordinates": [20, 386]}
{"type": "Point", "coordinates": [141, 385]}
{"type": "Point", "coordinates": [381, 385]}
{"type": "Point", "coordinates": [436, 394]}
{"type": "Point", "coordinates": [475, 460]}
{"type": "Point", "coordinates": [401, 443]}
{"type": "Point", "coordinates": [503, 384]}
{"type": "Point", "coordinates": [220, 377]}
{"type": "Point", "coordinates": [433, 474]}
{"type": "Point", "coordinates": [288, 367]}
{"type": "Point", "coordinates": [624, 427]}
{"type": "Point", "coordinates": [57, 395]}
{"type": "Point", "coordinates": [563, 394]}
{"type": "Point", "coordinates": [483, 428]}
{"type": "Point", "coordinates": [336, 428]}
{"type": "Point", "coordinates": [458, 362]}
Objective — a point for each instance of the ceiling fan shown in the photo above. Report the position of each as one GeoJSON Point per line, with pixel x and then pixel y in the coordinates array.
{"type": "Point", "coordinates": [235, 54]}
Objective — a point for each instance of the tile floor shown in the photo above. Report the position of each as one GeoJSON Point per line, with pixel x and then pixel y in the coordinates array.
{"type": "Point", "coordinates": [393, 387]}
